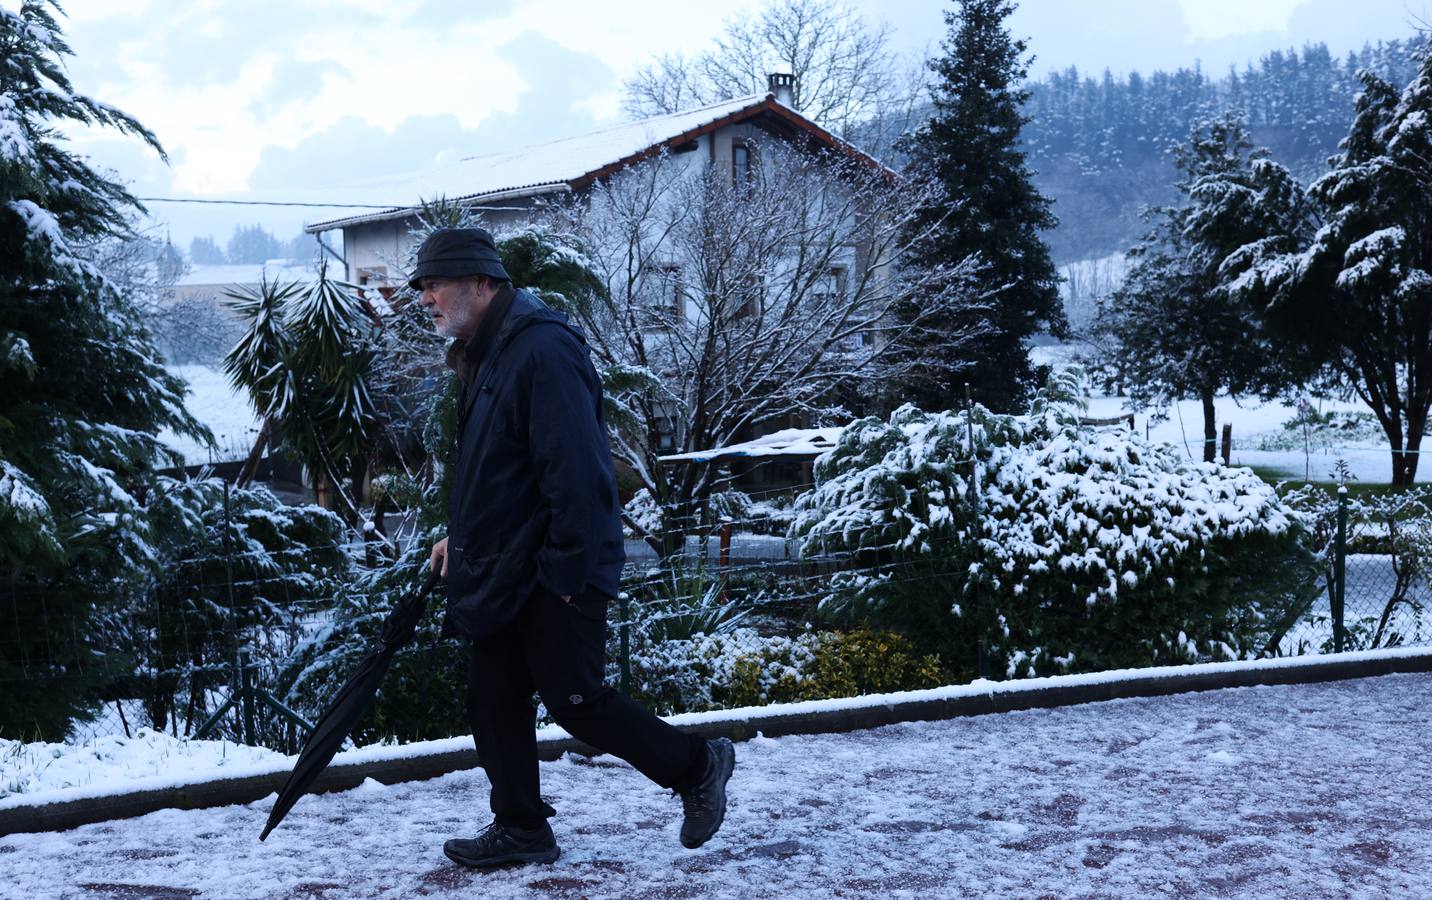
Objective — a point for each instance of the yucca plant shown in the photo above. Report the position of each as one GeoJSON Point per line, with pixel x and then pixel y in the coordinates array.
{"type": "Point", "coordinates": [305, 360]}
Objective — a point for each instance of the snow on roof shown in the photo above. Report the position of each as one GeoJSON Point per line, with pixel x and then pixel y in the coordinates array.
{"type": "Point", "coordinates": [544, 166]}
{"type": "Point", "coordinates": [787, 442]}
{"type": "Point", "coordinates": [245, 274]}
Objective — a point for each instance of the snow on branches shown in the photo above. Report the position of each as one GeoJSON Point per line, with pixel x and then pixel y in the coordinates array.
{"type": "Point", "coordinates": [1062, 516]}
{"type": "Point", "coordinates": [729, 304]}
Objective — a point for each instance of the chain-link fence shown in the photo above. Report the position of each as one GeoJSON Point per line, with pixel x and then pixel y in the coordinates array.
{"type": "Point", "coordinates": [1373, 583]}
{"type": "Point", "coordinates": [220, 644]}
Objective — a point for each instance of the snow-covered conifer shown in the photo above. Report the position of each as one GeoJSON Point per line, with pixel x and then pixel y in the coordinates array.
{"type": "Point", "coordinates": [988, 209]}
{"type": "Point", "coordinates": [1356, 292]}
{"type": "Point", "coordinates": [82, 390]}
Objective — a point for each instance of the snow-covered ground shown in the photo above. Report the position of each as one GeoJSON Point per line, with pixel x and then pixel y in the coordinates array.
{"type": "Point", "coordinates": [1296, 791]}
{"type": "Point", "coordinates": [1255, 424]}
{"type": "Point", "coordinates": [225, 411]}
{"type": "Point", "coordinates": [113, 760]}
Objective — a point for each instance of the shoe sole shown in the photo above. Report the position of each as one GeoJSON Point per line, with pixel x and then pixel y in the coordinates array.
{"type": "Point", "coordinates": [729, 767]}
{"type": "Point", "coordinates": [511, 859]}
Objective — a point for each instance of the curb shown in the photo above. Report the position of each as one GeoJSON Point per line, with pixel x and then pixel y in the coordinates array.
{"type": "Point", "coordinates": [738, 726]}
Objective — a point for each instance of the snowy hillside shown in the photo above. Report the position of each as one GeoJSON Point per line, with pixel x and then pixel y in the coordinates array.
{"type": "Point", "coordinates": [225, 411]}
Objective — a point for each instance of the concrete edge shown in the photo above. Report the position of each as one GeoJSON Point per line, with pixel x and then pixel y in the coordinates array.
{"type": "Point", "coordinates": [63, 815]}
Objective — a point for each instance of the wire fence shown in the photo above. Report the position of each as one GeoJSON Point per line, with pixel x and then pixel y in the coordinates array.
{"type": "Point", "coordinates": [1373, 586]}
{"type": "Point", "coordinates": [216, 646]}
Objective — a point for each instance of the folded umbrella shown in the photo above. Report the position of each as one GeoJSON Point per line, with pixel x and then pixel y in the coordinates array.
{"type": "Point", "coordinates": [352, 701]}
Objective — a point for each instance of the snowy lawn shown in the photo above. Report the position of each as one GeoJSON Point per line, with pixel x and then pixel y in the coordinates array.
{"type": "Point", "coordinates": [1292, 791]}
{"type": "Point", "coordinates": [1255, 425]}
{"type": "Point", "coordinates": [111, 761]}
{"type": "Point", "coordinates": [226, 412]}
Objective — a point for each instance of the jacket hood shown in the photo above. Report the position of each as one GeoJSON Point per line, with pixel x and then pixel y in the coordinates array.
{"type": "Point", "coordinates": [526, 311]}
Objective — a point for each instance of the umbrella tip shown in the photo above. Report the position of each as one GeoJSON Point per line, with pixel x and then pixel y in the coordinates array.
{"type": "Point", "coordinates": [265, 835]}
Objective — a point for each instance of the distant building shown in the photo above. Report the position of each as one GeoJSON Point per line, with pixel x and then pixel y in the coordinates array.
{"type": "Point", "coordinates": [210, 282]}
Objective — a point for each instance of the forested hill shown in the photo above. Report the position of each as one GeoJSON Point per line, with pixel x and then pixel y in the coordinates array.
{"type": "Point", "coordinates": [1101, 146]}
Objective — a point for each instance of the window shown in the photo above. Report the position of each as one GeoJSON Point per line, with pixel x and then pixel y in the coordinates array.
{"type": "Point", "coordinates": [748, 296]}
{"type": "Point", "coordinates": [373, 275]}
{"type": "Point", "coordinates": [665, 433]}
{"type": "Point", "coordinates": [830, 287]}
{"type": "Point", "coordinates": [740, 163]}
{"type": "Point", "coordinates": [666, 295]}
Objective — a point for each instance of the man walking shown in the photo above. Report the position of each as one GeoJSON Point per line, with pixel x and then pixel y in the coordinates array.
{"type": "Point", "coordinates": [534, 554]}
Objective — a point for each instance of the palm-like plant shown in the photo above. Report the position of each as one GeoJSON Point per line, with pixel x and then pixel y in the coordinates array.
{"type": "Point", "coordinates": [305, 359]}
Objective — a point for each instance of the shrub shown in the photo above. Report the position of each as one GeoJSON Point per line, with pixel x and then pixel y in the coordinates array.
{"type": "Point", "coordinates": [744, 668]}
{"type": "Point", "coordinates": [1083, 548]}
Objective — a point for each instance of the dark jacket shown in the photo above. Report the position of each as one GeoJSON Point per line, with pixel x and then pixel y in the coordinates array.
{"type": "Point", "coordinates": [534, 499]}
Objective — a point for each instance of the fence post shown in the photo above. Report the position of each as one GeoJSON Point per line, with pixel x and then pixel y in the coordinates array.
{"type": "Point", "coordinates": [246, 698]}
{"type": "Point", "coordinates": [624, 605]}
{"type": "Point", "coordinates": [981, 654]}
{"type": "Point", "coordinates": [1340, 573]}
{"type": "Point", "coordinates": [725, 560]}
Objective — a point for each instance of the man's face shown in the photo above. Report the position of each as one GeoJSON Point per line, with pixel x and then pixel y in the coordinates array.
{"type": "Point", "coordinates": [456, 305]}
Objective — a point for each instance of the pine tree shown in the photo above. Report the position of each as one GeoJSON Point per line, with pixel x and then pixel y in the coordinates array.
{"type": "Point", "coordinates": [203, 251]}
{"type": "Point", "coordinates": [82, 391]}
{"type": "Point", "coordinates": [972, 147]}
{"type": "Point", "coordinates": [1356, 292]}
{"type": "Point", "coordinates": [1174, 332]}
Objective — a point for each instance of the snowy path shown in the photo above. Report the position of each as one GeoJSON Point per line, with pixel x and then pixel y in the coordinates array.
{"type": "Point", "coordinates": [1298, 791]}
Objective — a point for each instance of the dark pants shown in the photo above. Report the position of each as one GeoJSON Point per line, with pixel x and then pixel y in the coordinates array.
{"type": "Point", "coordinates": [559, 650]}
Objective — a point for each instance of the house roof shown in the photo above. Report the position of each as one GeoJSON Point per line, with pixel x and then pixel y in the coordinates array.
{"type": "Point", "coordinates": [575, 162]}
{"type": "Point", "coordinates": [806, 443]}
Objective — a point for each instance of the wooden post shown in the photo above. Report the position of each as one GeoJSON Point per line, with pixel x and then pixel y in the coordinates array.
{"type": "Point", "coordinates": [251, 465]}
{"type": "Point", "coordinates": [725, 559]}
{"type": "Point", "coordinates": [1227, 441]}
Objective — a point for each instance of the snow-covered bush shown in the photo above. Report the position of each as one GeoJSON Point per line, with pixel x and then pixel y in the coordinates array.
{"type": "Point", "coordinates": [1081, 548]}
{"type": "Point", "coordinates": [744, 668]}
{"type": "Point", "coordinates": [250, 580]}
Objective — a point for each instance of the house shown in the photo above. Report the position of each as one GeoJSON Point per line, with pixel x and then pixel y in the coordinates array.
{"type": "Point", "coordinates": [510, 189]}
{"type": "Point", "coordinates": [507, 188]}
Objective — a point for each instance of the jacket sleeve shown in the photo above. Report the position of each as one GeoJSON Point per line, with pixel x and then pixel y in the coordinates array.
{"type": "Point", "coordinates": [569, 449]}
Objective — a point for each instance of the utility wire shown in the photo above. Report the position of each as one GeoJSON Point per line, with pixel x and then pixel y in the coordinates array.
{"type": "Point", "coordinates": [272, 203]}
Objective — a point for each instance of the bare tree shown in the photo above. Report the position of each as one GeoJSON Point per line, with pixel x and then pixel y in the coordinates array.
{"type": "Point", "coordinates": [147, 267]}
{"type": "Point", "coordinates": [733, 305]}
{"type": "Point", "coordinates": [847, 79]}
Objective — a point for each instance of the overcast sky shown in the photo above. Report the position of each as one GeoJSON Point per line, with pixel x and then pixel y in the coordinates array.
{"type": "Point", "coordinates": [306, 100]}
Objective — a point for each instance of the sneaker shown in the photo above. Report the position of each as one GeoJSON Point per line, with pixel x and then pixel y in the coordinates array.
{"type": "Point", "coordinates": [704, 803]}
{"type": "Point", "coordinates": [500, 845]}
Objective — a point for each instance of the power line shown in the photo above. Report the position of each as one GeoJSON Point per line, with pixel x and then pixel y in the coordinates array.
{"type": "Point", "coordinates": [272, 203]}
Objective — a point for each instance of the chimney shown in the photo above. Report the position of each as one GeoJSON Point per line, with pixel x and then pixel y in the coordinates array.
{"type": "Point", "coordinates": [784, 87]}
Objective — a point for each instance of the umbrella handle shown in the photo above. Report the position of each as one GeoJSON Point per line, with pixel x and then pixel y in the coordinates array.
{"type": "Point", "coordinates": [434, 576]}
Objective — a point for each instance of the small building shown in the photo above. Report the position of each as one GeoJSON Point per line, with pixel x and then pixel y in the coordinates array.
{"type": "Point", "coordinates": [773, 463]}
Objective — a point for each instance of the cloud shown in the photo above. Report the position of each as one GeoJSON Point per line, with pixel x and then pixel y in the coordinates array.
{"type": "Point", "coordinates": [354, 157]}
{"type": "Point", "coordinates": [294, 81]}
{"type": "Point", "coordinates": [337, 160]}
